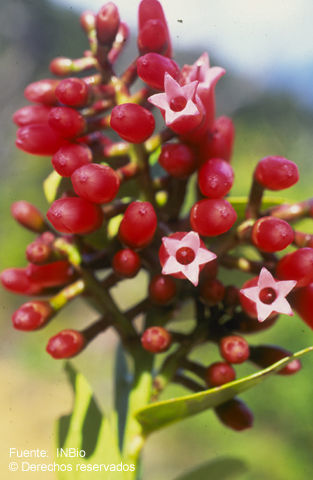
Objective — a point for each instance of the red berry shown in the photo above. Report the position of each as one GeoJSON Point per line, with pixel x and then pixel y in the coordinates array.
{"type": "Point", "coordinates": [38, 139]}
{"type": "Point", "coordinates": [138, 226]}
{"type": "Point", "coordinates": [219, 143]}
{"type": "Point", "coordinates": [70, 157]}
{"type": "Point", "coordinates": [66, 344]}
{"type": "Point", "coordinates": [132, 122]}
{"type": "Point", "coordinates": [276, 173]}
{"type": "Point", "coordinates": [38, 252]}
{"type": "Point", "coordinates": [298, 266]}
{"type": "Point", "coordinates": [212, 217]}
{"type": "Point", "coordinates": [61, 66]}
{"type": "Point", "coordinates": [31, 114]}
{"type": "Point", "coordinates": [126, 263]}
{"type": "Point", "coordinates": [107, 23]}
{"type": "Point", "coordinates": [42, 91]}
{"type": "Point", "coordinates": [67, 122]}
{"type": "Point", "coordinates": [156, 340]}
{"type": "Point", "coordinates": [32, 315]}
{"type": "Point", "coordinates": [96, 183]}
{"type": "Point", "coordinates": [153, 33]}
{"type": "Point", "coordinates": [178, 160]}
{"type": "Point", "coordinates": [248, 305]}
{"type": "Point", "coordinates": [72, 92]}
{"type": "Point", "coordinates": [219, 373]}
{"type": "Point", "coordinates": [234, 349]}
{"type": "Point", "coordinates": [162, 289]}
{"type": "Point", "coordinates": [215, 178]}
{"type": "Point", "coordinates": [74, 215]}
{"type": "Point", "coordinates": [152, 67]}
{"type": "Point", "coordinates": [302, 302]}
{"type": "Point", "coordinates": [266, 355]}
{"type": "Point", "coordinates": [51, 274]}
{"type": "Point", "coordinates": [212, 291]}
{"type": "Point", "coordinates": [272, 234]}
{"type": "Point", "coordinates": [15, 280]}
{"type": "Point", "coordinates": [235, 414]}
{"type": "Point", "coordinates": [28, 216]}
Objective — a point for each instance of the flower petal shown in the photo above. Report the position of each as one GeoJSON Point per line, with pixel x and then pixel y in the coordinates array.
{"type": "Point", "coordinates": [252, 293]}
{"type": "Point", "coordinates": [171, 87]}
{"type": "Point", "coordinates": [171, 245]}
{"type": "Point", "coordinates": [171, 266]}
{"type": "Point", "coordinates": [205, 256]}
{"type": "Point", "coordinates": [285, 286]}
{"type": "Point", "coordinates": [159, 100]}
{"type": "Point", "coordinates": [281, 305]}
{"type": "Point", "coordinates": [191, 240]}
{"type": "Point", "coordinates": [263, 310]}
{"type": "Point", "coordinates": [191, 272]}
{"type": "Point", "coordinates": [266, 280]}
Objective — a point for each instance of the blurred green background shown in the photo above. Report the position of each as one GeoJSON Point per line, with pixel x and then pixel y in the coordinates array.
{"type": "Point", "coordinates": [34, 388]}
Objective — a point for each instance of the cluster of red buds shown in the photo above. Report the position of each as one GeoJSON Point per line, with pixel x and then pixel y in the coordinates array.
{"type": "Point", "coordinates": [133, 188]}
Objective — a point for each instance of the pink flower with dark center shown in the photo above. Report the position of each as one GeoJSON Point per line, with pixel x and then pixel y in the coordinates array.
{"type": "Point", "coordinates": [181, 107]}
{"type": "Point", "coordinates": [207, 77]}
{"type": "Point", "coordinates": [185, 256]}
{"type": "Point", "coordinates": [269, 295]}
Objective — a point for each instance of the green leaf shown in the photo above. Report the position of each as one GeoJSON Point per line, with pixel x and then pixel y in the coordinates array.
{"type": "Point", "coordinates": [161, 414]}
{"type": "Point", "coordinates": [86, 428]}
{"type": "Point", "coordinates": [122, 389]}
{"type": "Point", "coordinates": [240, 203]}
{"type": "Point", "coordinates": [219, 469]}
{"type": "Point", "coordinates": [154, 156]}
{"type": "Point", "coordinates": [51, 185]}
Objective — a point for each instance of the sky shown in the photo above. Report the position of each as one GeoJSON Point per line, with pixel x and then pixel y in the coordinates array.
{"type": "Point", "coordinates": [271, 40]}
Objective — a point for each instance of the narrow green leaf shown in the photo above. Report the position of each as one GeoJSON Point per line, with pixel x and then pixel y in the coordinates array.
{"type": "Point", "coordinates": [161, 414]}
{"type": "Point", "coordinates": [219, 469]}
{"type": "Point", "coordinates": [240, 203]}
{"type": "Point", "coordinates": [51, 185]}
{"type": "Point", "coordinates": [121, 391]}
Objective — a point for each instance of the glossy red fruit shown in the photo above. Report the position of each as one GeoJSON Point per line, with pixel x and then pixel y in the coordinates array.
{"type": "Point", "coordinates": [298, 266]}
{"type": "Point", "coordinates": [132, 122]}
{"type": "Point", "coordinates": [219, 373]}
{"type": "Point", "coordinates": [178, 160]}
{"type": "Point", "coordinates": [266, 355]}
{"type": "Point", "coordinates": [272, 234]}
{"type": "Point", "coordinates": [152, 67]}
{"type": "Point", "coordinates": [162, 289]}
{"type": "Point", "coordinates": [42, 91]}
{"type": "Point", "coordinates": [28, 216]}
{"type": "Point", "coordinates": [31, 114]}
{"type": "Point", "coordinates": [16, 281]}
{"type": "Point", "coordinates": [126, 263]}
{"type": "Point", "coordinates": [51, 274]}
{"type": "Point", "coordinates": [234, 349]}
{"type": "Point", "coordinates": [139, 224]}
{"type": "Point", "coordinates": [212, 291]}
{"type": "Point", "coordinates": [153, 34]}
{"type": "Point", "coordinates": [156, 340]}
{"type": "Point", "coordinates": [38, 139]}
{"type": "Point", "coordinates": [96, 183]}
{"type": "Point", "coordinates": [235, 414]}
{"type": "Point", "coordinates": [276, 173]}
{"type": "Point", "coordinates": [38, 252]}
{"type": "Point", "coordinates": [67, 122]}
{"type": "Point", "coordinates": [74, 215]}
{"type": "Point", "coordinates": [302, 302]}
{"type": "Point", "coordinates": [73, 92]}
{"type": "Point", "coordinates": [32, 315]}
{"type": "Point", "coordinates": [215, 178]}
{"type": "Point", "coordinates": [70, 157]}
{"type": "Point", "coordinates": [212, 217]}
{"type": "Point", "coordinates": [219, 142]}
{"type": "Point", "coordinates": [66, 344]}
{"type": "Point", "coordinates": [107, 23]}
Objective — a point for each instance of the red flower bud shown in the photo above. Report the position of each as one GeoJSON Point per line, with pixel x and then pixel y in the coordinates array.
{"type": "Point", "coordinates": [67, 122]}
{"type": "Point", "coordinates": [219, 373]}
{"type": "Point", "coordinates": [42, 91]}
{"type": "Point", "coordinates": [132, 122]}
{"type": "Point", "coordinates": [276, 173]}
{"type": "Point", "coordinates": [152, 67]}
{"type": "Point", "coordinates": [298, 266]}
{"type": "Point", "coordinates": [138, 226]}
{"type": "Point", "coordinates": [51, 274]}
{"type": "Point", "coordinates": [38, 139]}
{"type": "Point", "coordinates": [162, 289]}
{"type": "Point", "coordinates": [235, 415]}
{"type": "Point", "coordinates": [234, 349]}
{"type": "Point", "coordinates": [70, 157]}
{"type": "Point", "coordinates": [96, 183]}
{"type": "Point", "coordinates": [38, 252]}
{"type": "Point", "coordinates": [31, 114]}
{"type": "Point", "coordinates": [16, 281]}
{"type": "Point", "coordinates": [74, 215]}
{"type": "Point", "coordinates": [28, 216]}
{"type": "Point", "coordinates": [66, 344]}
{"type": "Point", "coordinates": [215, 178]}
{"type": "Point", "coordinates": [73, 92]}
{"type": "Point", "coordinates": [153, 33]}
{"type": "Point", "coordinates": [266, 355]}
{"type": "Point", "coordinates": [219, 143]}
{"type": "Point", "coordinates": [178, 159]}
{"type": "Point", "coordinates": [107, 23]}
{"type": "Point", "coordinates": [272, 234]}
{"type": "Point", "coordinates": [32, 315]}
{"type": "Point", "coordinates": [212, 217]}
{"type": "Point", "coordinates": [126, 263]}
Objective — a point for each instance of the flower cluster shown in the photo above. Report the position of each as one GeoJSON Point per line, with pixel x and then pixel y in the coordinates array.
{"type": "Point", "coordinates": [100, 136]}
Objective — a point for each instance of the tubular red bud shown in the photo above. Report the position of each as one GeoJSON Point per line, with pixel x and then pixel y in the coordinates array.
{"type": "Point", "coordinates": [73, 92]}
{"type": "Point", "coordinates": [51, 274]}
{"type": "Point", "coordinates": [132, 122]}
{"type": "Point", "coordinates": [38, 139]}
{"type": "Point", "coordinates": [235, 415]}
{"type": "Point", "coordinates": [96, 183]}
{"type": "Point", "coordinates": [215, 178]}
{"type": "Point", "coordinates": [138, 226]}
{"type": "Point", "coordinates": [162, 289]}
{"type": "Point", "coordinates": [74, 215]}
{"type": "Point", "coordinates": [298, 266]}
{"type": "Point", "coordinates": [42, 91]}
{"type": "Point", "coordinates": [156, 340]}
{"type": "Point", "coordinates": [66, 344]}
{"type": "Point", "coordinates": [107, 23]}
{"type": "Point", "coordinates": [67, 122]}
{"type": "Point", "coordinates": [28, 216]}
{"type": "Point", "coordinates": [151, 10]}
{"type": "Point", "coordinates": [38, 252]}
{"type": "Point", "coordinates": [126, 263]}
{"type": "Point", "coordinates": [32, 316]}
{"type": "Point", "coordinates": [152, 67]}
{"type": "Point", "coordinates": [70, 157]}
{"type": "Point", "coordinates": [276, 173]}
{"type": "Point", "coordinates": [272, 234]}
{"type": "Point", "coordinates": [219, 142]}
{"type": "Point", "coordinates": [16, 281]}
{"type": "Point", "coordinates": [31, 114]}
{"type": "Point", "coordinates": [212, 217]}
{"type": "Point", "coordinates": [266, 355]}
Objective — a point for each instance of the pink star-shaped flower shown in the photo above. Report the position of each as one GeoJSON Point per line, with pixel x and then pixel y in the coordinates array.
{"type": "Point", "coordinates": [183, 257]}
{"type": "Point", "coordinates": [269, 295]}
{"type": "Point", "coordinates": [180, 105]}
